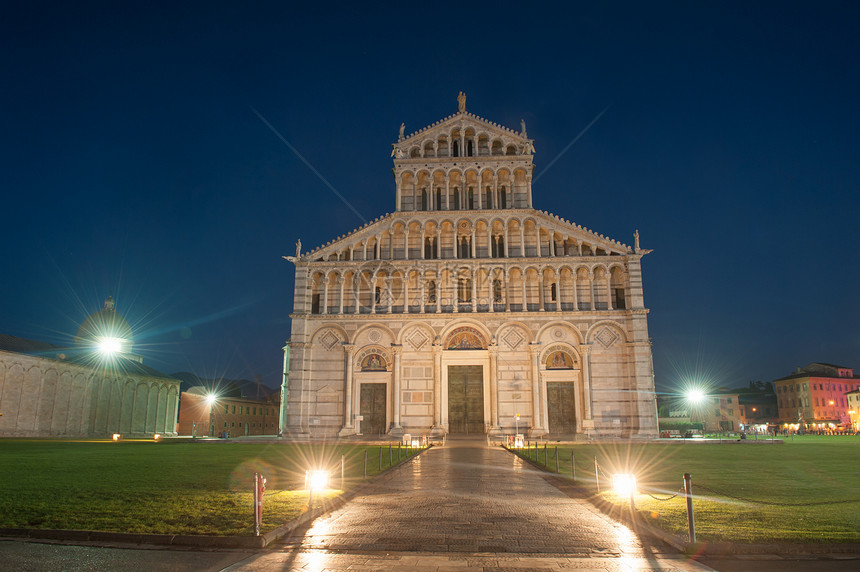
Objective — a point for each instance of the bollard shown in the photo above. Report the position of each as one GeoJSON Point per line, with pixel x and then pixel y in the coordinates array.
{"type": "Point", "coordinates": [688, 492]}
{"type": "Point", "coordinates": [380, 459]}
{"type": "Point", "coordinates": [596, 475]}
{"type": "Point", "coordinates": [572, 466]}
{"type": "Point", "coordinates": [342, 472]}
{"type": "Point", "coordinates": [545, 459]}
{"type": "Point", "coordinates": [556, 459]}
{"type": "Point", "coordinates": [365, 464]}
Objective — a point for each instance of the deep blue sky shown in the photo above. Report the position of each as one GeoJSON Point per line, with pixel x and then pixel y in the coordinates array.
{"type": "Point", "coordinates": [132, 163]}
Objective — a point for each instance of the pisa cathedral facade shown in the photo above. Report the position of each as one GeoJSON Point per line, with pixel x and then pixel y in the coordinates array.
{"type": "Point", "coordinates": [467, 311]}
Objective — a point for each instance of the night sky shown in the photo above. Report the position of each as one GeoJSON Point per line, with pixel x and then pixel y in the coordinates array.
{"type": "Point", "coordinates": [133, 164]}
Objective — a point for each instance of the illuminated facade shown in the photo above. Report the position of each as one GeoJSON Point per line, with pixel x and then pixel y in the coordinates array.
{"type": "Point", "coordinates": [466, 310]}
{"type": "Point", "coordinates": [52, 391]}
{"type": "Point", "coordinates": [816, 395]}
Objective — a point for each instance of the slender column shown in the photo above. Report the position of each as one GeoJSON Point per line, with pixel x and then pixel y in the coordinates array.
{"type": "Point", "coordinates": [348, 421]}
{"type": "Point", "coordinates": [439, 243]}
{"type": "Point", "coordinates": [525, 305]}
{"type": "Point", "coordinates": [575, 300]}
{"type": "Point", "coordinates": [439, 293]}
{"type": "Point", "coordinates": [480, 195]}
{"type": "Point", "coordinates": [506, 241]}
{"type": "Point", "coordinates": [356, 293]}
{"type": "Point", "coordinates": [534, 355]}
{"type": "Point", "coordinates": [423, 292]}
{"type": "Point", "coordinates": [415, 193]}
{"type": "Point", "coordinates": [373, 295]}
{"type": "Point", "coordinates": [406, 294]}
{"type": "Point", "coordinates": [609, 292]}
{"type": "Point", "coordinates": [397, 183]}
{"type": "Point", "coordinates": [495, 191]}
{"type": "Point", "coordinates": [378, 248]}
{"type": "Point", "coordinates": [457, 242]}
{"type": "Point", "coordinates": [365, 250]}
{"type": "Point", "coordinates": [474, 248]}
{"type": "Point", "coordinates": [522, 240]}
{"type": "Point", "coordinates": [325, 296]}
{"type": "Point", "coordinates": [437, 384]}
{"type": "Point", "coordinates": [340, 282]}
{"type": "Point", "coordinates": [423, 245]}
{"type": "Point", "coordinates": [447, 193]}
{"type": "Point", "coordinates": [389, 282]}
{"type": "Point", "coordinates": [494, 385]}
{"type": "Point", "coordinates": [541, 296]}
{"type": "Point", "coordinates": [585, 351]}
{"type": "Point", "coordinates": [474, 292]}
{"type": "Point", "coordinates": [406, 244]}
{"type": "Point", "coordinates": [395, 349]}
{"type": "Point", "coordinates": [537, 240]}
{"type": "Point", "coordinates": [507, 293]}
{"type": "Point", "coordinates": [592, 290]}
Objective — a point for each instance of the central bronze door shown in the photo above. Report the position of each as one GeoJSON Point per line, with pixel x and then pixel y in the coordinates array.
{"type": "Point", "coordinates": [466, 399]}
{"type": "Point", "coordinates": [561, 407]}
{"type": "Point", "coordinates": [372, 408]}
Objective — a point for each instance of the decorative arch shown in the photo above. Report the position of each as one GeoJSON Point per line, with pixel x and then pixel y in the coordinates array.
{"type": "Point", "coordinates": [329, 336]}
{"type": "Point", "coordinates": [373, 358]}
{"type": "Point", "coordinates": [560, 356]}
{"type": "Point", "coordinates": [465, 338]}
{"type": "Point", "coordinates": [557, 331]}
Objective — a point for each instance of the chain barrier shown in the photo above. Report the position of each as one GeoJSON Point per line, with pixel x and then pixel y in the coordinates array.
{"type": "Point", "coordinates": [680, 492]}
{"type": "Point", "coordinates": [774, 503]}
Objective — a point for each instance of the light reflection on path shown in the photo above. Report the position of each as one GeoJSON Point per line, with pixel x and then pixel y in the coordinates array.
{"type": "Point", "coordinates": [469, 506]}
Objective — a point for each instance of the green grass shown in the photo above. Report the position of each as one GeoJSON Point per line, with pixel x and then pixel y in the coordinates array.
{"type": "Point", "coordinates": [164, 488]}
{"type": "Point", "coordinates": [806, 469]}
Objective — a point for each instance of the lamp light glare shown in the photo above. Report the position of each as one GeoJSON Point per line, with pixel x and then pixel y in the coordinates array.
{"type": "Point", "coordinates": [109, 346]}
{"type": "Point", "coordinates": [695, 396]}
{"type": "Point", "coordinates": [316, 480]}
{"type": "Point", "coordinates": [116, 436]}
{"type": "Point", "coordinates": [624, 484]}
{"type": "Point", "coordinates": [210, 399]}
{"type": "Point", "coordinates": [156, 437]}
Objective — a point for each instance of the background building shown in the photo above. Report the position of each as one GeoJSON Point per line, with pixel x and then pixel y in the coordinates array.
{"type": "Point", "coordinates": [466, 310]}
{"type": "Point", "coordinates": [93, 389]}
{"type": "Point", "coordinates": [816, 396]}
{"type": "Point", "coordinates": [201, 415]}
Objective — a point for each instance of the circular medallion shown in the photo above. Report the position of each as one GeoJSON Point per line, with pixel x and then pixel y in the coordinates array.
{"type": "Point", "coordinates": [374, 335]}
{"type": "Point", "coordinates": [558, 333]}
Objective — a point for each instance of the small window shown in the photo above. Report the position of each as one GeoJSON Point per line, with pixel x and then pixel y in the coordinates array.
{"type": "Point", "coordinates": [234, 410]}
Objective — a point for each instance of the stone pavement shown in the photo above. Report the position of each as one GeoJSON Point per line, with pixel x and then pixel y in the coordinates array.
{"type": "Point", "coordinates": [466, 506]}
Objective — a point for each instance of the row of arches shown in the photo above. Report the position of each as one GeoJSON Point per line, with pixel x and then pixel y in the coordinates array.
{"type": "Point", "coordinates": [465, 142]}
{"type": "Point", "coordinates": [39, 399]}
{"type": "Point", "coordinates": [463, 189]}
{"type": "Point", "coordinates": [464, 238]}
{"type": "Point", "coordinates": [467, 289]}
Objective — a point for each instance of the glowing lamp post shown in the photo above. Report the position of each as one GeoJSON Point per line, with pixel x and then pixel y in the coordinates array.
{"type": "Point", "coordinates": [625, 485]}
{"type": "Point", "coordinates": [116, 437]}
{"type": "Point", "coordinates": [315, 480]}
{"type": "Point", "coordinates": [695, 398]}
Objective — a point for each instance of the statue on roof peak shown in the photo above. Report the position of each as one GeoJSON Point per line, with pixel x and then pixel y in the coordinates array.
{"type": "Point", "coordinates": [461, 100]}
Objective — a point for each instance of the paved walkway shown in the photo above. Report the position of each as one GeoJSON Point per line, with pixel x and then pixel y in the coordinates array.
{"type": "Point", "coordinates": [466, 506]}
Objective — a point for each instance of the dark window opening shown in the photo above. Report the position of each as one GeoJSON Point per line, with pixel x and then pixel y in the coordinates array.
{"type": "Point", "coordinates": [315, 304]}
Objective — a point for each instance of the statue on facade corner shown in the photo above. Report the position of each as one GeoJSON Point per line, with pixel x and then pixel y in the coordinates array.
{"type": "Point", "coordinates": [636, 241]}
{"type": "Point", "coordinates": [299, 248]}
{"type": "Point", "coordinates": [402, 129]}
{"type": "Point", "coordinates": [461, 100]}
{"type": "Point", "coordinates": [523, 127]}
{"type": "Point", "coordinates": [397, 151]}
{"type": "Point", "coordinates": [528, 148]}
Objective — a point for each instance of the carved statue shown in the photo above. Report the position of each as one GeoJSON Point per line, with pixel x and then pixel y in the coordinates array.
{"type": "Point", "coordinates": [397, 151]}
{"type": "Point", "coordinates": [402, 129]}
{"type": "Point", "coordinates": [636, 241]}
{"type": "Point", "coordinates": [523, 127]}
{"type": "Point", "coordinates": [461, 100]}
{"type": "Point", "coordinates": [528, 148]}
{"type": "Point", "coordinates": [298, 248]}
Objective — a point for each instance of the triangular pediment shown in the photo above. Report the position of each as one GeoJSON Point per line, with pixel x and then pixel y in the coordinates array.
{"type": "Point", "coordinates": [463, 120]}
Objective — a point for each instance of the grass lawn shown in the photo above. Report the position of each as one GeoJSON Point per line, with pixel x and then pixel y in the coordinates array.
{"type": "Point", "coordinates": [806, 469]}
{"type": "Point", "coordinates": [171, 487]}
